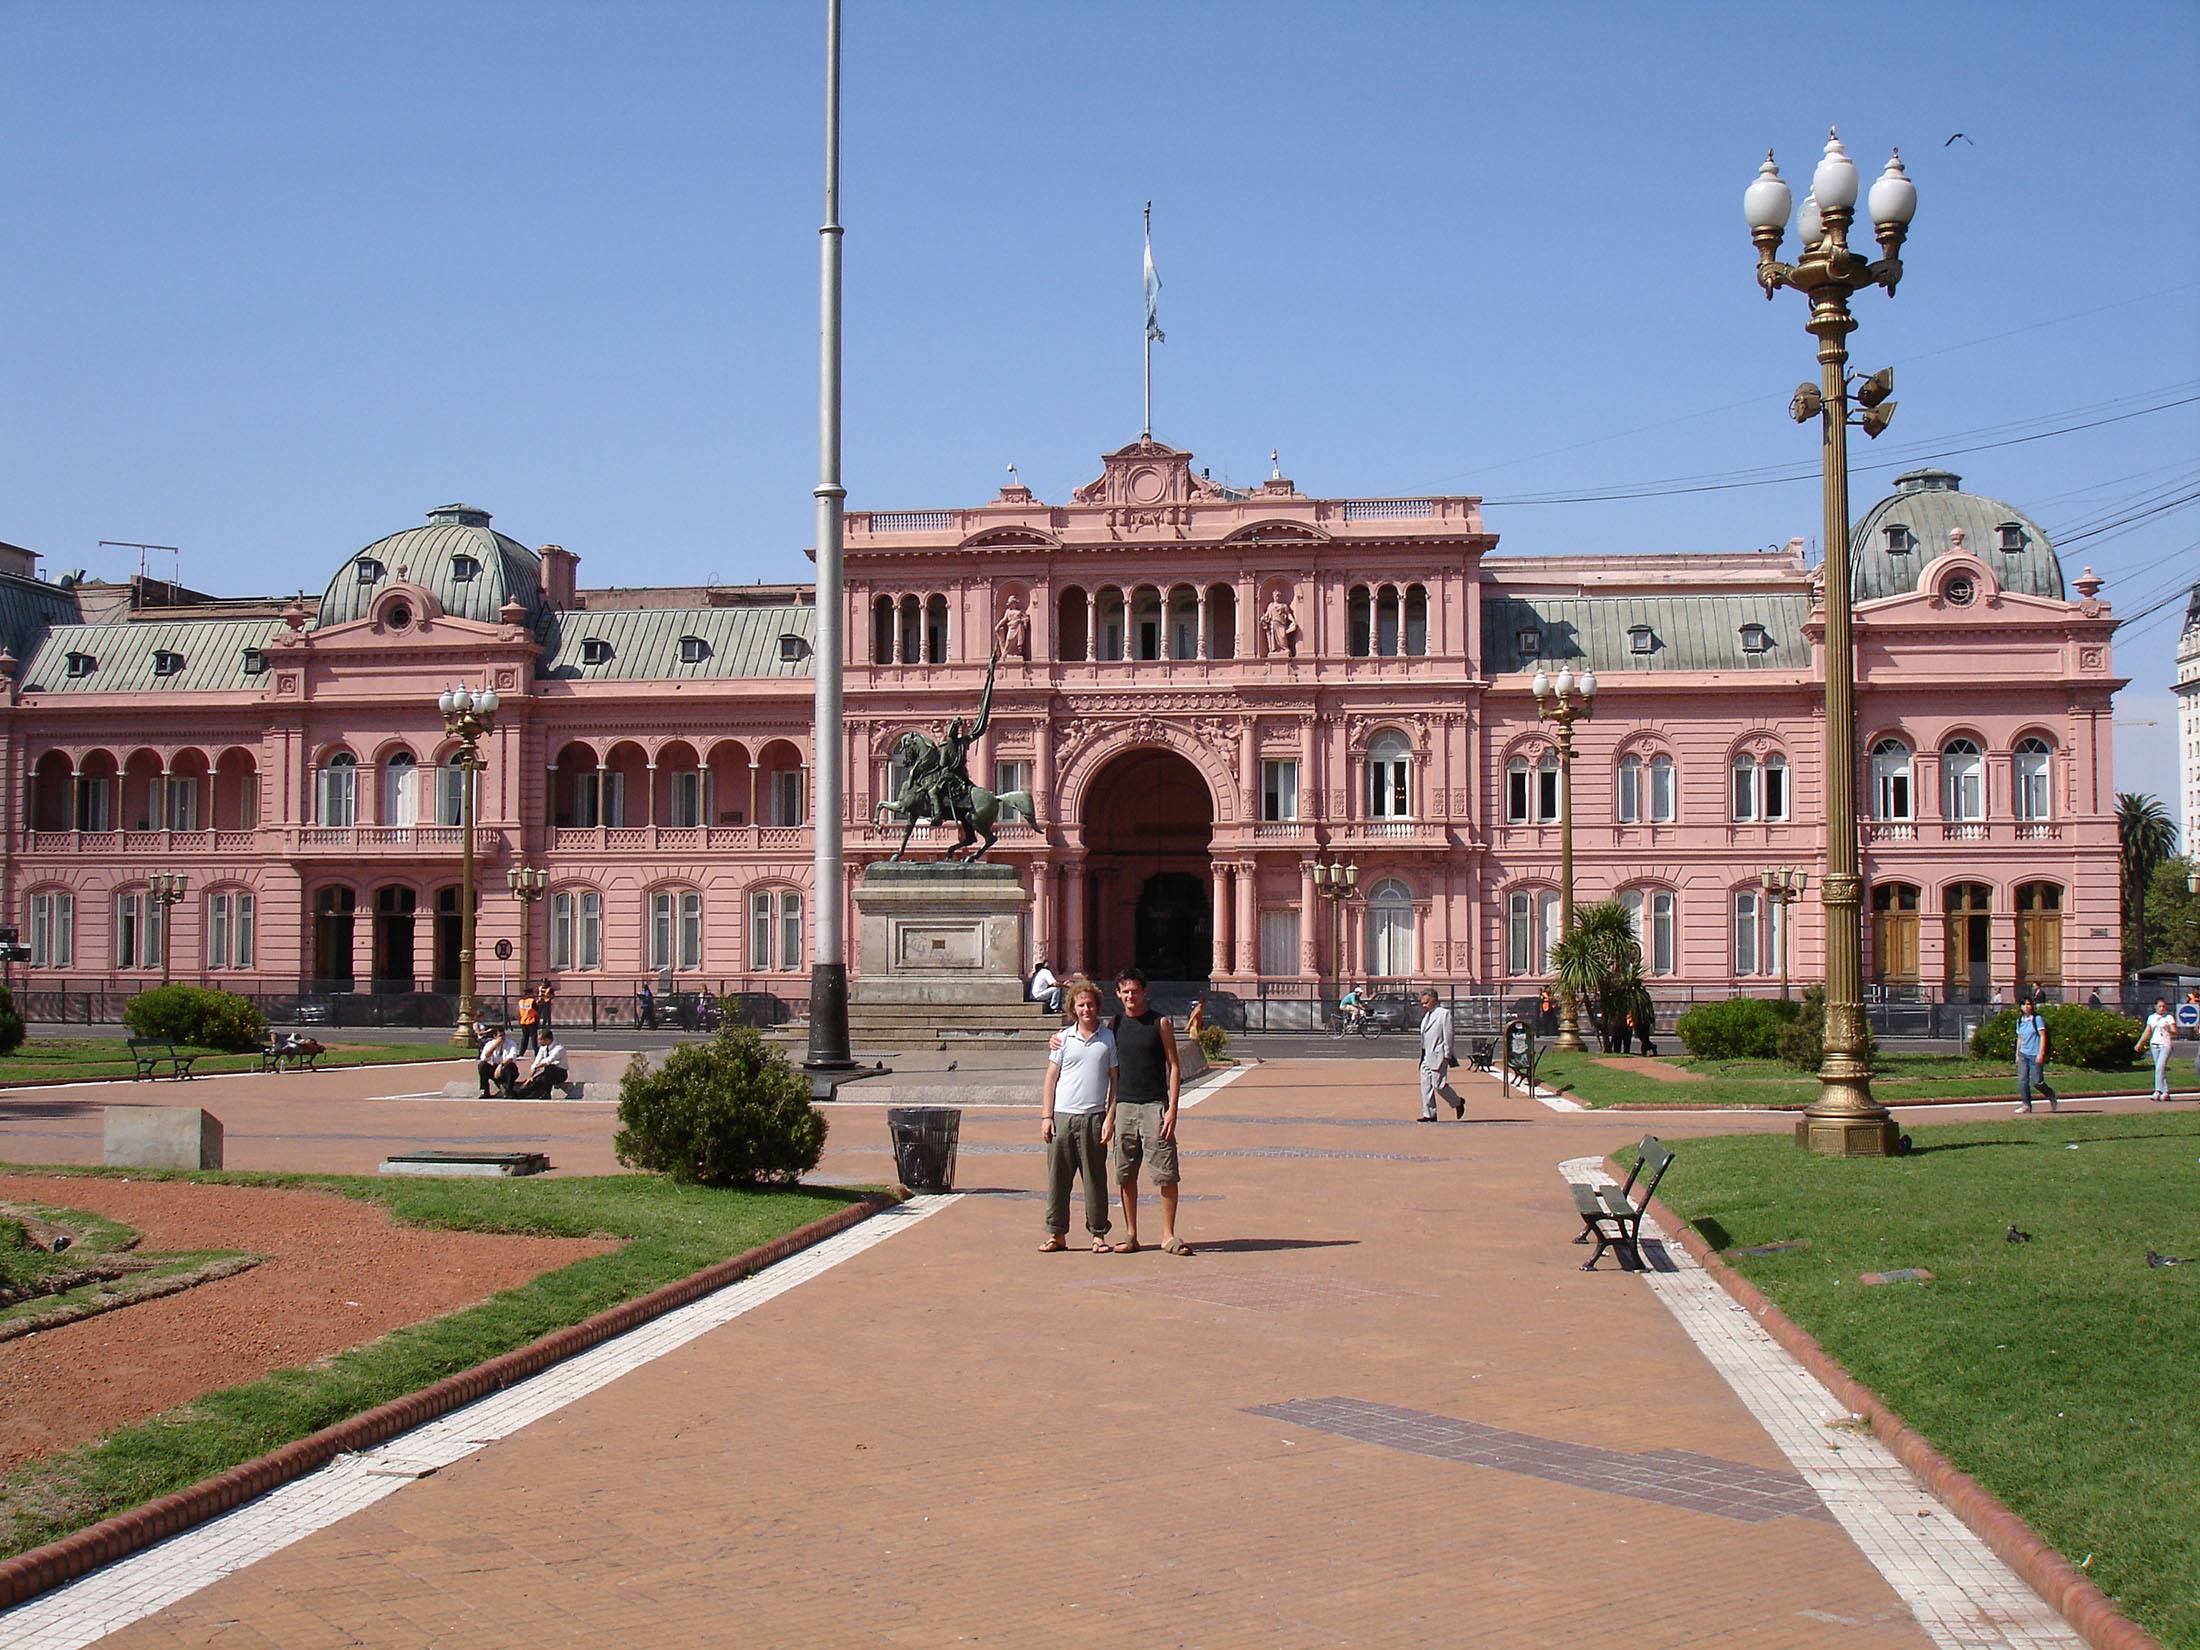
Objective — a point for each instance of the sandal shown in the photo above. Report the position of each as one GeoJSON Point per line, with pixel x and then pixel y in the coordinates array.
{"type": "Point", "coordinates": [1129, 1246]}
{"type": "Point", "coordinates": [1101, 1246]}
{"type": "Point", "coordinates": [1053, 1246]}
{"type": "Point", "coordinates": [1176, 1246]}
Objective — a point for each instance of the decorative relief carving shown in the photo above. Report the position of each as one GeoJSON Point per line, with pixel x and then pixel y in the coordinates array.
{"type": "Point", "coordinates": [2089, 658]}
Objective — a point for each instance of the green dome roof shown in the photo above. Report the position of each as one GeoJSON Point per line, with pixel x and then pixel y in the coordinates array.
{"type": "Point", "coordinates": [1907, 531]}
{"type": "Point", "coordinates": [472, 571]}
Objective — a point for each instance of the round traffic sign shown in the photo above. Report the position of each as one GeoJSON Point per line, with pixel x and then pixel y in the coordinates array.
{"type": "Point", "coordinates": [504, 950]}
{"type": "Point", "coordinates": [2188, 1015]}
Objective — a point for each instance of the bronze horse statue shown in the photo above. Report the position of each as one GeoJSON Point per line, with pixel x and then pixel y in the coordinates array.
{"type": "Point", "coordinates": [975, 809]}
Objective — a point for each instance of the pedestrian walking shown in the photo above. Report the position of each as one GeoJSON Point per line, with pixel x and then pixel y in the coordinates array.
{"type": "Point", "coordinates": [1546, 1014]}
{"type": "Point", "coordinates": [2032, 1057]}
{"type": "Point", "coordinates": [1149, 1085]}
{"type": "Point", "coordinates": [2160, 1032]}
{"type": "Point", "coordinates": [647, 999]}
{"type": "Point", "coordinates": [1436, 1060]}
{"type": "Point", "coordinates": [1076, 1109]}
{"type": "Point", "coordinates": [2093, 998]}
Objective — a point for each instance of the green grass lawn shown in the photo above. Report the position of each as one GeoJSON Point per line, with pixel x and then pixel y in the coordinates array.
{"type": "Point", "coordinates": [84, 1059]}
{"type": "Point", "coordinates": [669, 1231]}
{"type": "Point", "coordinates": [1895, 1078]}
{"type": "Point", "coordinates": [2060, 1372]}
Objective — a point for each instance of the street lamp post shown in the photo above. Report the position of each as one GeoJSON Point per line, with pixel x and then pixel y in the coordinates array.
{"type": "Point", "coordinates": [1563, 703]}
{"type": "Point", "coordinates": [528, 884]}
{"type": "Point", "coordinates": [166, 889]}
{"type": "Point", "coordinates": [467, 716]}
{"type": "Point", "coordinates": [1335, 883]}
{"type": "Point", "coordinates": [1844, 1121]}
{"type": "Point", "coordinates": [1783, 886]}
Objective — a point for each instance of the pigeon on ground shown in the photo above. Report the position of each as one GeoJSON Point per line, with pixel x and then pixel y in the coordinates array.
{"type": "Point", "coordinates": [62, 1242]}
{"type": "Point", "coordinates": [2154, 1259]}
{"type": "Point", "coordinates": [2016, 1236]}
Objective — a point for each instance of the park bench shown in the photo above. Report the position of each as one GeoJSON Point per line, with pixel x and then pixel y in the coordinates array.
{"type": "Point", "coordinates": [150, 1056]}
{"type": "Point", "coordinates": [1482, 1054]}
{"type": "Point", "coordinates": [301, 1055]}
{"type": "Point", "coordinates": [1611, 1216]}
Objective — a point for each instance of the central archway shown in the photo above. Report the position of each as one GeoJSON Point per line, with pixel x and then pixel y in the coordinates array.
{"type": "Point", "coordinates": [1149, 823]}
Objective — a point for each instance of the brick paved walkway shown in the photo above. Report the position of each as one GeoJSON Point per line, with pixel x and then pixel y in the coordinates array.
{"type": "Point", "coordinates": [1381, 1408]}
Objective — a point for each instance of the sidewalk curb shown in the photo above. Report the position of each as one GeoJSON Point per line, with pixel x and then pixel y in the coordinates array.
{"type": "Point", "coordinates": [2065, 1588]}
{"type": "Point", "coordinates": [42, 1569]}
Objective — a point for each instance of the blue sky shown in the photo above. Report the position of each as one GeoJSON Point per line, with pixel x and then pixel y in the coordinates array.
{"type": "Point", "coordinates": [278, 278]}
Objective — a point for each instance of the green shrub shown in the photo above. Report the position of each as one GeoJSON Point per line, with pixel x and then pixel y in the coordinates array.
{"type": "Point", "coordinates": [197, 1015]}
{"type": "Point", "coordinates": [1212, 1041]}
{"type": "Point", "coordinates": [11, 1023]}
{"type": "Point", "coordinates": [1741, 1028]}
{"type": "Point", "coordinates": [1803, 1038]}
{"type": "Point", "coordinates": [2077, 1035]}
{"type": "Point", "coordinates": [729, 1112]}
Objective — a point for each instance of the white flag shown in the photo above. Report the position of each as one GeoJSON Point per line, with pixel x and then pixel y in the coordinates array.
{"type": "Point", "coordinates": [1153, 291]}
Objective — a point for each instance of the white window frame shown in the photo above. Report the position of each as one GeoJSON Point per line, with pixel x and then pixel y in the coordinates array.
{"type": "Point", "coordinates": [776, 935]}
{"type": "Point", "coordinates": [231, 920]}
{"type": "Point", "coordinates": [1391, 931]}
{"type": "Point", "coordinates": [1742, 797]}
{"type": "Point", "coordinates": [1531, 930]}
{"type": "Point", "coordinates": [663, 927]}
{"type": "Point", "coordinates": [1011, 776]}
{"type": "Point", "coordinates": [1548, 784]}
{"type": "Point", "coordinates": [686, 797]}
{"type": "Point", "coordinates": [691, 930]}
{"type": "Point", "coordinates": [576, 930]}
{"type": "Point", "coordinates": [401, 788]}
{"type": "Point", "coordinates": [1663, 789]}
{"type": "Point", "coordinates": [1962, 781]}
{"type": "Point", "coordinates": [1389, 777]}
{"type": "Point", "coordinates": [2032, 779]}
{"type": "Point", "coordinates": [338, 802]}
{"type": "Point", "coordinates": [1894, 791]}
{"type": "Point", "coordinates": [53, 929]}
{"type": "Point", "coordinates": [1279, 791]}
{"type": "Point", "coordinates": [139, 920]}
{"type": "Point", "coordinates": [787, 797]}
{"type": "Point", "coordinates": [1629, 790]}
{"type": "Point", "coordinates": [1519, 791]}
{"type": "Point", "coordinates": [790, 928]}
{"type": "Point", "coordinates": [181, 802]}
{"type": "Point", "coordinates": [1653, 913]}
{"type": "Point", "coordinates": [1279, 943]}
{"type": "Point", "coordinates": [1756, 928]}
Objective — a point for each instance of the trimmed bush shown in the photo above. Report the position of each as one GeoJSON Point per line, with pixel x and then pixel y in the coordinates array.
{"type": "Point", "coordinates": [729, 1112]}
{"type": "Point", "coordinates": [1212, 1041]}
{"type": "Point", "coordinates": [1741, 1028]}
{"type": "Point", "coordinates": [11, 1023]}
{"type": "Point", "coordinates": [196, 1015]}
{"type": "Point", "coordinates": [2077, 1035]}
{"type": "Point", "coordinates": [1803, 1039]}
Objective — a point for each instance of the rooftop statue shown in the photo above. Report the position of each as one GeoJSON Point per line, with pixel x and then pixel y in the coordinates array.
{"type": "Point", "coordinates": [936, 787]}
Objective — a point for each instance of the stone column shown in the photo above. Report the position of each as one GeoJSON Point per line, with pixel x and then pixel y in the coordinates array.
{"type": "Point", "coordinates": [1201, 647]}
{"type": "Point", "coordinates": [1248, 768]}
{"type": "Point", "coordinates": [1248, 921]}
{"type": "Point", "coordinates": [1310, 909]}
{"type": "Point", "coordinates": [1073, 916]}
{"type": "Point", "coordinates": [754, 821]}
{"type": "Point", "coordinates": [1219, 917]}
{"type": "Point", "coordinates": [1042, 925]}
{"type": "Point", "coordinates": [649, 778]}
{"type": "Point", "coordinates": [1092, 624]}
{"type": "Point", "coordinates": [1043, 788]}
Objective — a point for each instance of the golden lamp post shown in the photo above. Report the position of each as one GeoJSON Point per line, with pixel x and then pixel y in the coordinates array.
{"type": "Point", "coordinates": [1783, 886]}
{"type": "Point", "coordinates": [467, 715]}
{"type": "Point", "coordinates": [1335, 883]}
{"type": "Point", "coordinates": [1562, 703]}
{"type": "Point", "coordinates": [1844, 1121]}
{"type": "Point", "coordinates": [528, 884]}
{"type": "Point", "coordinates": [166, 889]}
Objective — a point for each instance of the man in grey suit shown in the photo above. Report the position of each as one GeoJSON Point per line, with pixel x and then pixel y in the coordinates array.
{"type": "Point", "coordinates": [1436, 1060]}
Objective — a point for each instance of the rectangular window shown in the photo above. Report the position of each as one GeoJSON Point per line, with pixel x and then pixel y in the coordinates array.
{"type": "Point", "coordinates": [138, 923]}
{"type": "Point", "coordinates": [53, 930]}
{"type": "Point", "coordinates": [760, 932]}
{"type": "Point", "coordinates": [614, 798]}
{"type": "Point", "coordinates": [591, 930]}
{"type": "Point", "coordinates": [1776, 790]}
{"type": "Point", "coordinates": [1546, 914]}
{"type": "Point", "coordinates": [1630, 792]}
{"type": "Point", "coordinates": [691, 930]}
{"type": "Point", "coordinates": [1546, 793]}
{"type": "Point", "coordinates": [660, 932]}
{"type": "Point", "coordinates": [1517, 784]}
{"type": "Point", "coordinates": [1745, 789]}
{"type": "Point", "coordinates": [1748, 953]}
{"type": "Point", "coordinates": [1662, 907]}
{"type": "Point", "coordinates": [787, 797]}
{"type": "Point", "coordinates": [687, 797]}
{"type": "Point", "coordinates": [1279, 793]}
{"type": "Point", "coordinates": [93, 805]}
{"type": "Point", "coordinates": [1279, 943]}
{"type": "Point", "coordinates": [1519, 933]}
{"type": "Point", "coordinates": [1661, 790]}
{"type": "Point", "coordinates": [790, 930]}
{"type": "Point", "coordinates": [183, 804]}
{"type": "Point", "coordinates": [229, 934]}
{"type": "Point", "coordinates": [339, 795]}
{"type": "Point", "coordinates": [1011, 776]}
{"type": "Point", "coordinates": [561, 931]}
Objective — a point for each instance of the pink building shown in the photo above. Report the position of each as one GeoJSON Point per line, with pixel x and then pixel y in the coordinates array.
{"type": "Point", "coordinates": [1206, 690]}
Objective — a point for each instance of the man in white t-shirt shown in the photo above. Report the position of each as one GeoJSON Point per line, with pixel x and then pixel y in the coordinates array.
{"type": "Point", "coordinates": [500, 1062]}
{"type": "Point", "coordinates": [546, 1071]}
{"type": "Point", "coordinates": [1075, 1112]}
{"type": "Point", "coordinates": [1045, 989]}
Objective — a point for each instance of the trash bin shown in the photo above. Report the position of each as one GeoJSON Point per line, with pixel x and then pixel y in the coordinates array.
{"type": "Point", "coordinates": [924, 1145]}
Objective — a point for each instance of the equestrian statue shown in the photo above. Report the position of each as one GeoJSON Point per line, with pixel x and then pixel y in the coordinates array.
{"type": "Point", "coordinates": [936, 787]}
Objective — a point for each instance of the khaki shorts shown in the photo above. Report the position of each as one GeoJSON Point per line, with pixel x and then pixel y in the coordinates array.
{"type": "Point", "coordinates": [1138, 1140]}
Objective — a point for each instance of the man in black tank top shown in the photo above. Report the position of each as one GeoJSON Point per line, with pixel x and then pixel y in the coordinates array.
{"type": "Point", "coordinates": [1148, 1083]}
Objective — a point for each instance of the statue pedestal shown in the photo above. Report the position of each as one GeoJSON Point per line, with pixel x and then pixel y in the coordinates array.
{"type": "Point", "coordinates": [933, 933]}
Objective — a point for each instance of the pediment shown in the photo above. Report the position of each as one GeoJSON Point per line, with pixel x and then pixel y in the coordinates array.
{"type": "Point", "coordinates": [1277, 531]}
{"type": "Point", "coordinates": [999, 537]}
{"type": "Point", "coordinates": [1146, 475]}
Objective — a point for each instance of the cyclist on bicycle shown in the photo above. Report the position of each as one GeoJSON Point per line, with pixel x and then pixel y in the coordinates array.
{"type": "Point", "coordinates": [1353, 1007]}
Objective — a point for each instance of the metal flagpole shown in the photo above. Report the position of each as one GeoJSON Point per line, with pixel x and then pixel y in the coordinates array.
{"type": "Point", "coordinates": [1153, 325]}
{"type": "Point", "coordinates": [829, 963]}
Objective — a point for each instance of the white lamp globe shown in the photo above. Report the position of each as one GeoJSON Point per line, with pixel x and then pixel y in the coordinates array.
{"type": "Point", "coordinates": [444, 702]}
{"type": "Point", "coordinates": [486, 701]}
{"type": "Point", "coordinates": [1834, 183]}
{"type": "Point", "coordinates": [1588, 684]}
{"type": "Point", "coordinates": [1808, 224]}
{"type": "Point", "coordinates": [1565, 682]}
{"type": "Point", "coordinates": [1767, 201]}
{"type": "Point", "coordinates": [1894, 196]}
{"type": "Point", "coordinates": [1541, 686]}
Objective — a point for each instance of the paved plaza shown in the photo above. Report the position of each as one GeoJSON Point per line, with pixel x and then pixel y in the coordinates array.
{"type": "Point", "coordinates": [1382, 1406]}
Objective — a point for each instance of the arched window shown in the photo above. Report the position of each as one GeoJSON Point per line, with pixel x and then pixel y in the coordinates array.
{"type": "Point", "coordinates": [775, 930]}
{"type": "Point", "coordinates": [1661, 789]}
{"type": "Point", "coordinates": [1519, 791]}
{"type": "Point", "coordinates": [2034, 779]}
{"type": "Point", "coordinates": [1359, 622]}
{"type": "Point", "coordinates": [1630, 790]}
{"type": "Point", "coordinates": [675, 930]}
{"type": "Point", "coordinates": [338, 803]}
{"type": "Point", "coordinates": [1645, 789]}
{"type": "Point", "coordinates": [1531, 930]}
{"type": "Point", "coordinates": [1745, 787]}
{"type": "Point", "coordinates": [1389, 778]}
{"type": "Point", "coordinates": [1891, 780]}
{"type": "Point", "coordinates": [1652, 912]}
{"type": "Point", "coordinates": [230, 924]}
{"type": "Point", "coordinates": [1962, 781]}
{"type": "Point", "coordinates": [576, 929]}
{"type": "Point", "coordinates": [1390, 952]}
{"type": "Point", "coordinates": [401, 788]}
{"type": "Point", "coordinates": [1416, 620]}
{"type": "Point", "coordinates": [1547, 781]}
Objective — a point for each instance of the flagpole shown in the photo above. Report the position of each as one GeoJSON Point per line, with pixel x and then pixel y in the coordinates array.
{"type": "Point", "coordinates": [1146, 429]}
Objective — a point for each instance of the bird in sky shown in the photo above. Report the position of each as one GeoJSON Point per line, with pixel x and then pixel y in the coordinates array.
{"type": "Point", "coordinates": [1963, 135]}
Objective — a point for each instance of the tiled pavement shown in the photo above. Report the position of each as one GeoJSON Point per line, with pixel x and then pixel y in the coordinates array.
{"type": "Point", "coordinates": [1384, 1407]}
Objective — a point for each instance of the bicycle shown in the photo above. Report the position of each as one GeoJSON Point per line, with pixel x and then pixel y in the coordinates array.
{"type": "Point", "coordinates": [1347, 1024]}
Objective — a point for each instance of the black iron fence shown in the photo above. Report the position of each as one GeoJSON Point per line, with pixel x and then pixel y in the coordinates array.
{"type": "Point", "coordinates": [595, 1006]}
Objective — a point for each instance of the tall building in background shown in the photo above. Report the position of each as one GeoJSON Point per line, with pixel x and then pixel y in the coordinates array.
{"type": "Point", "coordinates": [2188, 728]}
{"type": "Point", "coordinates": [1207, 690]}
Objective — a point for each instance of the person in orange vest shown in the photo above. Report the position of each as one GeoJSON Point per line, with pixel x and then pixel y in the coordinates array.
{"type": "Point", "coordinates": [530, 1009]}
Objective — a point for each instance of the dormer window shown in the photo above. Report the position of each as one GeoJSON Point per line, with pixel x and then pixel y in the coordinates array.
{"type": "Point", "coordinates": [793, 649]}
{"type": "Point", "coordinates": [1756, 639]}
{"type": "Point", "coordinates": [1529, 643]}
{"type": "Point", "coordinates": [82, 664]}
{"type": "Point", "coordinates": [166, 663]}
{"type": "Point", "coordinates": [369, 570]}
{"type": "Point", "coordinates": [1900, 541]}
{"type": "Point", "coordinates": [693, 650]}
{"type": "Point", "coordinates": [595, 651]}
{"type": "Point", "coordinates": [255, 661]}
{"type": "Point", "coordinates": [1641, 639]}
{"type": "Point", "coordinates": [464, 570]}
{"type": "Point", "coordinates": [2012, 538]}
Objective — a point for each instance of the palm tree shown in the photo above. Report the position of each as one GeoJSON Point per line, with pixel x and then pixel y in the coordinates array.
{"type": "Point", "coordinates": [2146, 837]}
{"type": "Point", "coordinates": [1600, 962]}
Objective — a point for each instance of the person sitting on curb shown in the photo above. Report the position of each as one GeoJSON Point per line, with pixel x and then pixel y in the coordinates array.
{"type": "Point", "coordinates": [499, 1062]}
{"type": "Point", "coordinates": [546, 1071]}
{"type": "Point", "coordinates": [1044, 989]}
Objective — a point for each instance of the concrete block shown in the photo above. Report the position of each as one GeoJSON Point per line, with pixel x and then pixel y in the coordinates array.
{"type": "Point", "coordinates": [162, 1137]}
